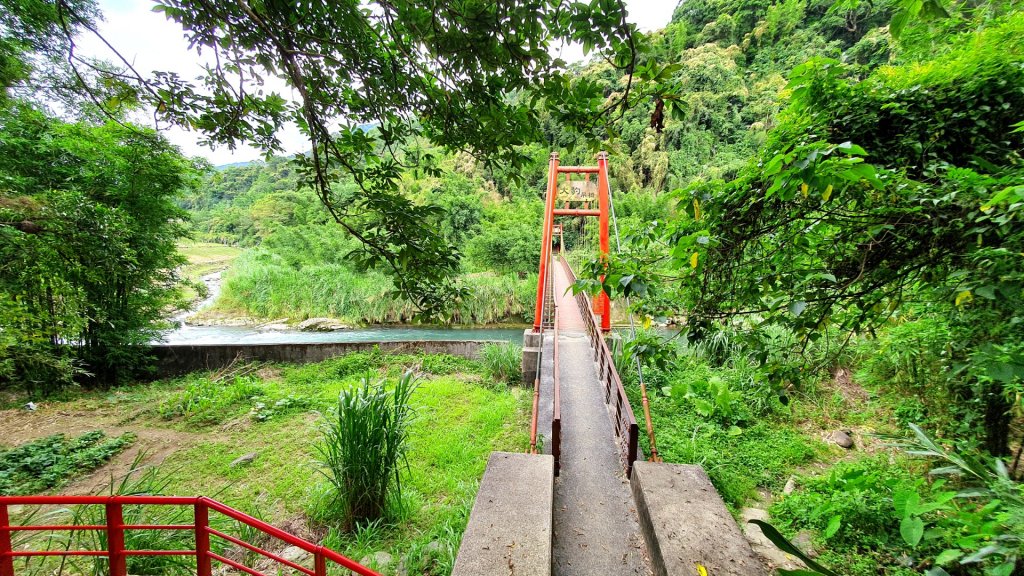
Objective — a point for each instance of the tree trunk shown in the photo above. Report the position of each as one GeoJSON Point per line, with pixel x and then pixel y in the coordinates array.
{"type": "Point", "coordinates": [997, 421]}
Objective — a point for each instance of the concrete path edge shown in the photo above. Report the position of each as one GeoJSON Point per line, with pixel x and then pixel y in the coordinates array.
{"type": "Point", "coordinates": [686, 524]}
{"type": "Point", "coordinates": [510, 527]}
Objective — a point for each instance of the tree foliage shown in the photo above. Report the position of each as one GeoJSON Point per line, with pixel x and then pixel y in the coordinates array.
{"type": "Point", "coordinates": [88, 231]}
{"type": "Point", "coordinates": [464, 76]}
{"type": "Point", "coordinates": [873, 192]}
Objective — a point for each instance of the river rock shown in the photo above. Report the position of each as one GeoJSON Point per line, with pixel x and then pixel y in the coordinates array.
{"type": "Point", "coordinates": [802, 541]}
{"type": "Point", "coordinates": [201, 319]}
{"type": "Point", "coordinates": [761, 545]}
{"type": "Point", "coordinates": [244, 459]}
{"type": "Point", "coordinates": [379, 560]}
{"type": "Point", "coordinates": [790, 486]}
{"type": "Point", "coordinates": [274, 326]}
{"type": "Point", "coordinates": [320, 325]}
{"type": "Point", "coordinates": [294, 554]}
{"type": "Point", "coordinates": [433, 547]}
{"type": "Point", "coordinates": [841, 438]}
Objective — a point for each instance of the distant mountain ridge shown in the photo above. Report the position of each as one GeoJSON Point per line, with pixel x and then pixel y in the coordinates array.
{"type": "Point", "coordinates": [222, 167]}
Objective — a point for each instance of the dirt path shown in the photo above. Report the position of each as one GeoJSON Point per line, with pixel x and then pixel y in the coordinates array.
{"type": "Point", "coordinates": [154, 444]}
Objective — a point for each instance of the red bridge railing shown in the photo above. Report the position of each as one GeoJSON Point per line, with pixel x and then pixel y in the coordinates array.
{"type": "Point", "coordinates": [556, 411]}
{"type": "Point", "coordinates": [626, 428]}
{"type": "Point", "coordinates": [115, 529]}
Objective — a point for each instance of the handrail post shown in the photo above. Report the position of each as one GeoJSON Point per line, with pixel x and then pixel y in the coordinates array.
{"type": "Point", "coordinates": [603, 193]}
{"type": "Point", "coordinates": [632, 450]}
{"type": "Point", "coordinates": [319, 562]}
{"type": "Point", "coordinates": [204, 565]}
{"type": "Point", "coordinates": [6, 560]}
{"type": "Point", "coordinates": [115, 539]}
{"type": "Point", "coordinates": [545, 248]}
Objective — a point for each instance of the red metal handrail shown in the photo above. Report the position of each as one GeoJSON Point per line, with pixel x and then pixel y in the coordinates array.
{"type": "Point", "coordinates": [534, 418]}
{"type": "Point", "coordinates": [626, 427]}
{"type": "Point", "coordinates": [556, 412]}
{"type": "Point", "coordinates": [115, 529]}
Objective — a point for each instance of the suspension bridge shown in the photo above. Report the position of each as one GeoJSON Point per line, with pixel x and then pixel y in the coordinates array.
{"type": "Point", "coordinates": [589, 498]}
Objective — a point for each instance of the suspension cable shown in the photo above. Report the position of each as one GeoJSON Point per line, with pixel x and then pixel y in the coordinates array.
{"type": "Point", "coordinates": [632, 333]}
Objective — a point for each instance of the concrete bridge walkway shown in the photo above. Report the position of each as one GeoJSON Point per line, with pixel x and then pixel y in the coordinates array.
{"type": "Point", "coordinates": [595, 521]}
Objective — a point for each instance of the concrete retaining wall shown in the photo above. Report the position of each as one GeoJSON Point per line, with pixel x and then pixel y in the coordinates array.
{"type": "Point", "coordinates": [686, 524]}
{"type": "Point", "coordinates": [177, 359]}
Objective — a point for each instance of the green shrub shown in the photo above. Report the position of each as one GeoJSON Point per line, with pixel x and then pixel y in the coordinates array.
{"type": "Point", "coordinates": [364, 446]}
{"type": "Point", "coordinates": [50, 462]}
{"type": "Point", "coordinates": [975, 519]}
{"type": "Point", "coordinates": [444, 364]}
{"type": "Point", "coordinates": [739, 459]}
{"type": "Point", "coordinates": [851, 506]}
{"type": "Point", "coordinates": [502, 362]}
{"type": "Point", "coordinates": [263, 411]}
{"type": "Point", "coordinates": [880, 514]}
{"type": "Point", "coordinates": [204, 400]}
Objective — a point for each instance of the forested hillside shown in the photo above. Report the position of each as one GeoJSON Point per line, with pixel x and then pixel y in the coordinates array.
{"type": "Point", "coordinates": [726, 70]}
{"type": "Point", "coordinates": [843, 247]}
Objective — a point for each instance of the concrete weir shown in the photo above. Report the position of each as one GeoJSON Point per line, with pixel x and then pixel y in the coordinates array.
{"type": "Point", "coordinates": [177, 359]}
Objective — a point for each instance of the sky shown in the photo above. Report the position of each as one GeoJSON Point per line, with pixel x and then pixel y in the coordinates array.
{"type": "Point", "coordinates": [151, 42]}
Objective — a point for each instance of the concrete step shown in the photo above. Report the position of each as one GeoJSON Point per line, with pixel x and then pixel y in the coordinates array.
{"type": "Point", "coordinates": [510, 527]}
{"type": "Point", "coordinates": [686, 524]}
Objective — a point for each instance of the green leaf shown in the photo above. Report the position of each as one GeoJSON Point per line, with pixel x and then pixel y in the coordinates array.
{"type": "Point", "coordinates": [933, 9]}
{"type": "Point", "coordinates": [1004, 569]}
{"type": "Point", "coordinates": [833, 526]}
{"type": "Point", "coordinates": [947, 556]}
{"type": "Point", "coordinates": [987, 292]}
{"type": "Point", "coordinates": [905, 502]}
{"type": "Point", "coordinates": [912, 529]}
{"type": "Point", "coordinates": [898, 22]}
{"type": "Point", "coordinates": [797, 308]}
{"type": "Point", "coordinates": [704, 408]}
{"type": "Point", "coordinates": [852, 149]}
{"type": "Point", "coordinates": [780, 541]}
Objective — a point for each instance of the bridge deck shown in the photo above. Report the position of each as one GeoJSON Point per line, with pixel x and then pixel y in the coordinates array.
{"type": "Point", "coordinates": [596, 529]}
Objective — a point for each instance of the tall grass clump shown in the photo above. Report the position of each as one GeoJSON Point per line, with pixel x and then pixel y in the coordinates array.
{"type": "Point", "coordinates": [364, 448]}
{"type": "Point", "coordinates": [141, 480]}
{"type": "Point", "coordinates": [263, 285]}
{"type": "Point", "coordinates": [502, 362]}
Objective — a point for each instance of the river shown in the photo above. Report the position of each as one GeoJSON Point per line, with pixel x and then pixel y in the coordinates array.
{"type": "Point", "coordinates": [190, 334]}
{"type": "Point", "coordinates": [251, 335]}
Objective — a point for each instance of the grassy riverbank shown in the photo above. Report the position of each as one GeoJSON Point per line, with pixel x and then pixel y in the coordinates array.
{"type": "Point", "coordinates": [194, 428]}
{"type": "Point", "coordinates": [263, 286]}
{"type": "Point", "coordinates": [204, 258]}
